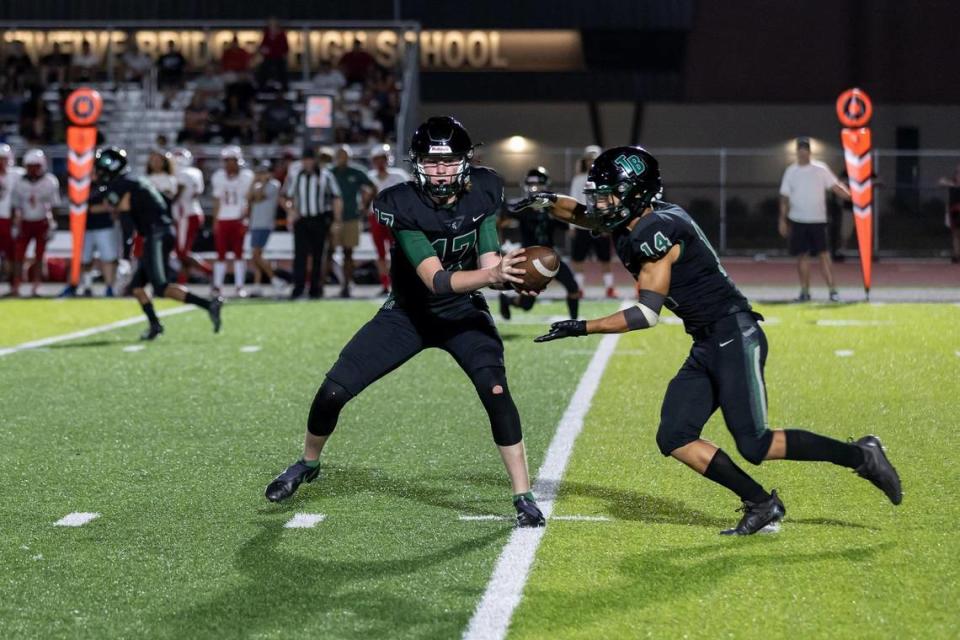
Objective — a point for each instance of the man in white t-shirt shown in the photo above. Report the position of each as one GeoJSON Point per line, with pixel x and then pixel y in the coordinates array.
{"type": "Point", "coordinates": [10, 174]}
{"type": "Point", "coordinates": [584, 242]}
{"type": "Point", "coordinates": [34, 196]}
{"type": "Point", "coordinates": [803, 215]}
{"type": "Point", "coordinates": [231, 192]}
{"type": "Point", "coordinates": [383, 176]}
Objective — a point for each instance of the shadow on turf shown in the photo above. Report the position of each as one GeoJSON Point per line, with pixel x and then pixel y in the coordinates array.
{"type": "Point", "coordinates": [281, 593]}
{"type": "Point", "coordinates": [645, 581]}
{"type": "Point", "coordinates": [89, 343]}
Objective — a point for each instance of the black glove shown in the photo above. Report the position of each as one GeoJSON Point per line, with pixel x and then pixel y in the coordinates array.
{"type": "Point", "coordinates": [564, 329]}
{"type": "Point", "coordinates": [542, 200]}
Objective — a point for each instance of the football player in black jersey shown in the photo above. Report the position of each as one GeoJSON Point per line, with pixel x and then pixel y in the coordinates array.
{"type": "Point", "coordinates": [139, 201]}
{"type": "Point", "coordinates": [675, 266]}
{"type": "Point", "coordinates": [537, 228]}
{"type": "Point", "coordinates": [446, 250]}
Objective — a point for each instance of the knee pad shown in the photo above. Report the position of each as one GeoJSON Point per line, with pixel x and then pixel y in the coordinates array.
{"type": "Point", "coordinates": [325, 410]}
{"type": "Point", "coordinates": [491, 385]}
{"type": "Point", "coordinates": [754, 449]}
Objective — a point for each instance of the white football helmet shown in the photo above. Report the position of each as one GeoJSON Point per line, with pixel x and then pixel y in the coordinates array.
{"type": "Point", "coordinates": [382, 151]}
{"type": "Point", "coordinates": [182, 157]}
{"type": "Point", "coordinates": [6, 152]}
{"type": "Point", "coordinates": [232, 152]}
{"type": "Point", "coordinates": [35, 157]}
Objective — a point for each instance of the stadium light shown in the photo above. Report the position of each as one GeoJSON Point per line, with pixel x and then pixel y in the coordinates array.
{"type": "Point", "coordinates": [517, 144]}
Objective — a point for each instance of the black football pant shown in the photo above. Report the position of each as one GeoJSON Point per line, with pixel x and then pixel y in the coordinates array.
{"type": "Point", "coordinates": [393, 336]}
{"type": "Point", "coordinates": [723, 370]}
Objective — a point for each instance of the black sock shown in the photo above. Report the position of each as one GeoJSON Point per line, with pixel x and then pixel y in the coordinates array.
{"type": "Point", "coordinates": [725, 471]}
{"type": "Point", "coordinates": [573, 305]}
{"type": "Point", "coordinates": [197, 300]}
{"type": "Point", "coordinates": [805, 445]}
{"type": "Point", "coordinates": [151, 314]}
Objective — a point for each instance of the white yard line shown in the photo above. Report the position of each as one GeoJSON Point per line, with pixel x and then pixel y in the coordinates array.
{"type": "Point", "coordinates": [76, 519]}
{"type": "Point", "coordinates": [92, 331]}
{"type": "Point", "coordinates": [250, 348]}
{"type": "Point", "coordinates": [573, 518]}
{"type": "Point", "coordinates": [491, 618]}
{"type": "Point", "coordinates": [304, 520]}
{"type": "Point", "coordinates": [843, 353]}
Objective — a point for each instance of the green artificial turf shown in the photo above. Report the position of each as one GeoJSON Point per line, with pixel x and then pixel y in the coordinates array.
{"type": "Point", "coordinates": [33, 319]}
{"type": "Point", "coordinates": [846, 564]}
{"type": "Point", "coordinates": [174, 444]}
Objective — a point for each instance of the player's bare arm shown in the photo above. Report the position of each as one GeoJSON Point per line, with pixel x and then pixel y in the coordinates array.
{"type": "Point", "coordinates": [563, 208]}
{"type": "Point", "coordinates": [502, 271]}
{"type": "Point", "coordinates": [653, 283]}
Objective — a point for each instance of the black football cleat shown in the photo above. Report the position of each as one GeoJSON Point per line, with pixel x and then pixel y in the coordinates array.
{"type": "Point", "coordinates": [505, 306]}
{"type": "Point", "coordinates": [215, 306]}
{"type": "Point", "coordinates": [528, 513]}
{"type": "Point", "coordinates": [286, 484]}
{"type": "Point", "coordinates": [757, 515]}
{"type": "Point", "coordinates": [877, 468]}
{"type": "Point", "coordinates": [151, 334]}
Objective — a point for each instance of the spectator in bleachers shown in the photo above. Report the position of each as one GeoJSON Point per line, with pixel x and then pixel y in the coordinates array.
{"type": "Point", "coordinates": [170, 68]}
{"type": "Point", "coordinates": [196, 122]}
{"type": "Point", "coordinates": [356, 64]}
{"type": "Point", "coordinates": [236, 121]}
{"type": "Point", "coordinates": [134, 63]}
{"type": "Point", "coordinates": [85, 64]}
{"type": "Point", "coordinates": [273, 51]}
{"type": "Point", "coordinates": [35, 124]}
{"type": "Point", "coordinates": [55, 66]}
{"type": "Point", "coordinates": [278, 121]}
{"type": "Point", "coordinates": [210, 86]}
{"type": "Point", "coordinates": [328, 79]}
{"type": "Point", "coordinates": [357, 191]}
{"type": "Point", "coordinates": [383, 100]}
{"type": "Point", "coordinates": [160, 172]}
{"type": "Point", "coordinates": [235, 58]}
{"type": "Point", "coordinates": [18, 68]}
{"type": "Point", "coordinates": [162, 142]}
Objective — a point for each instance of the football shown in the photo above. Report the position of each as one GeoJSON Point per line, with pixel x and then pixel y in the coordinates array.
{"type": "Point", "coordinates": [541, 266]}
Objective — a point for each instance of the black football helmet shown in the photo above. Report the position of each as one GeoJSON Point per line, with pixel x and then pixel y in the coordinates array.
{"type": "Point", "coordinates": [537, 181]}
{"type": "Point", "coordinates": [441, 138]}
{"type": "Point", "coordinates": [110, 162]}
{"type": "Point", "coordinates": [629, 173]}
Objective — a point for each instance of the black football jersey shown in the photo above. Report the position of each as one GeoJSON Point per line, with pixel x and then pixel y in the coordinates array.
{"type": "Point", "coordinates": [701, 292]}
{"type": "Point", "coordinates": [457, 234]}
{"type": "Point", "coordinates": [537, 226]}
{"type": "Point", "coordinates": [149, 210]}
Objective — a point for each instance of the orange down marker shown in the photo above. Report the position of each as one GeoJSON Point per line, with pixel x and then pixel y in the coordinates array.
{"type": "Point", "coordinates": [83, 108]}
{"type": "Point", "coordinates": [854, 110]}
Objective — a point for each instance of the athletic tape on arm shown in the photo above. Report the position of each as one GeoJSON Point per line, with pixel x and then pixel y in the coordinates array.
{"type": "Point", "coordinates": [646, 313]}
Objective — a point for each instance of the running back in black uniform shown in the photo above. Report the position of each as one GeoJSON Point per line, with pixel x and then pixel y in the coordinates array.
{"type": "Point", "coordinates": [664, 248]}
{"type": "Point", "coordinates": [143, 208]}
{"type": "Point", "coordinates": [417, 317]}
{"type": "Point", "coordinates": [701, 292]}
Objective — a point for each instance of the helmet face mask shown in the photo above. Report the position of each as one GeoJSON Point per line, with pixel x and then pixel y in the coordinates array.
{"type": "Point", "coordinates": [621, 184]}
{"type": "Point", "coordinates": [440, 154]}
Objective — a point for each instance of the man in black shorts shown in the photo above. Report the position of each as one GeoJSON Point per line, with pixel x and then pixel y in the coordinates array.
{"type": "Point", "coordinates": [537, 228]}
{"type": "Point", "coordinates": [446, 250]}
{"type": "Point", "coordinates": [148, 212]}
{"type": "Point", "coordinates": [675, 265]}
{"type": "Point", "coordinates": [803, 215]}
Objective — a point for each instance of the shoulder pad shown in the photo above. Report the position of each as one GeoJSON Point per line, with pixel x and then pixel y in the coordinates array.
{"type": "Point", "coordinates": [393, 206]}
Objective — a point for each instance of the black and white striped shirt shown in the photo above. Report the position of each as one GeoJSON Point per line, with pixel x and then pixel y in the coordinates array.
{"type": "Point", "coordinates": [313, 192]}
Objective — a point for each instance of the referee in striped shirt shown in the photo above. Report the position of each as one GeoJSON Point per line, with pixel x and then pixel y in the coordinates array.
{"type": "Point", "coordinates": [315, 204]}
